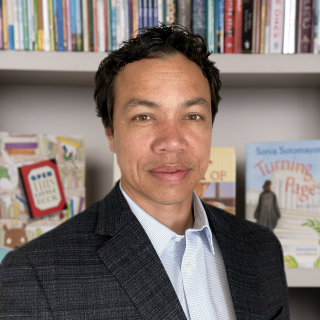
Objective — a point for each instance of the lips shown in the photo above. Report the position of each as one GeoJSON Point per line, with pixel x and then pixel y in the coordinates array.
{"type": "Point", "coordinates": [170, 173]}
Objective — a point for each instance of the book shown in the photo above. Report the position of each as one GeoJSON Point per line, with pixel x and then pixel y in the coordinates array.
{"type": "Point", "coordinates": [282, 194]}
{"type": "Point", "coordinates": [238, 27]}
{"type": "Point", "coordinates": [30, 24]}
{"type": "Point", "coordinates": [105, 24]}
{"type": "Point", "coordinates": [145, 12]}
{"type": "Point", "coordinates": [90, 26]}
{"type": "Point", "coordinates": [185, 13]}
{"type": "Point", "coordinates": [25, 25]}
{"type": "Point", "coordinates": [290, 27]}
{"type": "Point", "coordinates": [100, 23]}
{"type": "Point", "coordinates": [140, 13]}
{"type": "Point", "coordinates": [1, 27]}
{"type": "Point", "coordinates": [21, 152]}
{"type": "Point", "coordinates": [21, 25]}
{"type": "Point", "coordinates": [36, 26]}
{"type": "Point", "coordinates": [46, 25]}
{"type": "Point", "coordinates": [68, 25]}
{"type": "Point", "coordinates": [218, 186]}
{"type": "Point", "coordinates": [267, 28]}
{"type": "Point", "coordinates": [73, 24]}
{"type": "Point", "coordinates": [64, 26]}
{"type": "Point", "coordinates": [55, 24]}
{"type": "Point", "coordinates": [318, 15]}
{"type": "Point", "coordinates": [199, 18]}
{"type": "Point", "coordinates": [256, 26]}
{"type": "Point", "coordinates": [95, 26]}
{"type": "Point", "coordinates": [40, 26]}
{"type": "Point", "coordinates": [160, 11]}
{"type": "Point", "coordinates": [61, 42]}
{"type": "Point", "coordinates": [229, 12]}
{"type": "Point", "coordinates": [316, 27]}
{"type": "Point", "coordinates": [114, 24]}
{"type": "Point", "coordinates": [305, 26]}
{"type": "Point", "coordinates": [170, 10]}
{"type": "Point", "coordinates": [79, 30]}
{"type": "Point", "coordinates": [135, 18]}
{"type": "Point", "coordinates": [155, 12]}
{"type": "Point", "coordinates": [211, 32]}
{"type": "Point", "coordinates": [4, 25]}
{"type": "Point", "coordinates": [247, 25]}
{"type": "Point", "coordinates": [10, 21]}
{"type": "Point", "coordinates": [263, 25]}
{"type": "Point", "coordinates": [109, 25]}
{"type": "Point", "coordinates": [276, 26]}
{"type": "Point", "coordinates": [220, 26]}
{"type": "Point", "coordinates": [16, 24]}
{"type": "Point", "coordinates": [85, 25]}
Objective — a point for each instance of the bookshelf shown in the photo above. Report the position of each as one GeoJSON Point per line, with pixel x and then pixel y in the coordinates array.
{"type": "Point", "coordinates": [265, 98]}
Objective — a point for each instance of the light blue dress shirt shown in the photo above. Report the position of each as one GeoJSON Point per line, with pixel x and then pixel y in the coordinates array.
{"type": "Point", "coordinates": [193, 263]}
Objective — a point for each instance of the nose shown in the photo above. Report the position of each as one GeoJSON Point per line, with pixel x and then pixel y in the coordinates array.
{"type": "Point", "coordinates": [171, 139]}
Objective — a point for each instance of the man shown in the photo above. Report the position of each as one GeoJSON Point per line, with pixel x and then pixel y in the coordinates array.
{"type": "Point", "coordinates": [151, 249]}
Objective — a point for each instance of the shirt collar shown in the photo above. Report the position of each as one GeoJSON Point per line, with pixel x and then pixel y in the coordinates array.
{"type": "Point", "coordinates": [159, 234]}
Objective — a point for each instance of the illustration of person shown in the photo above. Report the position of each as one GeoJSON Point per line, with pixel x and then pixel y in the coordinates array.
{"type": "Point", "coordinates": [267, 212]}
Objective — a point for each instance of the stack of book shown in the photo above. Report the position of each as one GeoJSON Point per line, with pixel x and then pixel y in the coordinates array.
{"type": "Point", "coordinates": [229, 26]}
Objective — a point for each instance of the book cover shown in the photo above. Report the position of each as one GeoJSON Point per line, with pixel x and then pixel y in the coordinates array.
{"type": "Point", "coordinates": [16, 24]}
{"type": "Point", "coordinates": [199, 18]}
{"type": "Point", "coordinates": [21, 25]}
{"type": "Point", "coordinates": [306, 26]}
{"type": "Point", "coordinates": [238, 27]}
{"type": "Point", "coordinates": [229, 13]}
{"type": "Point", "coordinates": [85, 25]}
{"type": "Point", "coordinates": [247, 25]}
{"type": "Point", "coordinates": [30, 24]}
{"type": "Point", "coordinates": [19, 151]}
{"type": "Point", "coordinates": [46, 25]}
{"type": "Point", "coordinates": [218, 186]}
{"type": "Point", "coordinates": [276, 26]}
{"type": "Point", "coordinates": [73, 23]}
{"type": "Point", "coordinates": [185, 12]}
{"type": "Point", "coordinates": [263, 25]}
{"type": "Point", "coordinates": [290, 27]}
{"type": "Point", "coordinates": [220, 25]}
{"type": "Point", "coordinates": [283, 194]}
{"type": "Point", "coordinates": [25, 24]}
{"type": "Point", "coordinates": [267, 28]}
{"type": "Point", "coordinates": [10, 20]}
{"type": "Point", "coordinates": [36, 26]}
{"type": "Point", "coordinates": [170, 11]}
{"type": "Point", "coordinates": [211, 32]}
{"type": "Point", "coordinates": [40, 26]}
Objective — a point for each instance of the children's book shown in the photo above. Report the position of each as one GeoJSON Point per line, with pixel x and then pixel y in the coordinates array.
{"type": "Point", "coordinates": [283, 194]}
{"type": "Point", "coordinates": [29, 154]}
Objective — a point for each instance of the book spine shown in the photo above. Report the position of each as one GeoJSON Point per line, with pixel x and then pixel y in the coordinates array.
{"type": "Point", "coordinates": [36, 25]}
{"type": "Point", "coordinates": [316, 27]}
{"type": "Point", "coordinates": [155, 12]}
{"type": "Point", "coordinates": [109, 26]}
{"type": "Point", "coordinates": [135, 18]}
{"type": "Point", "coordinates": [105, 21]}
{"type": "Point", "coordinates": [145, 12]}
{"type": "Point", "coordinates": [290, 27]}
{"type": "Point", "coordinates": [185, 13]}
{"type": "Point", "coordinates": [46, 26]}
{"type": "Point", "coordinates": [118, 22]}
{"type": "Point", "coordinates": [125, 19]}
{"type": "Point", "coordinates": [1, 26]}
{"type": "Point", "coordinates": [55, 25]}
{"type": "Point", "coordinates": [276, 26]}
{"type": "Point", "coordinates": [16, 25]}
{"type": "Point", "coordinates": [25, 24]}
{"type": "Point", "coordinates": [60, 25]}
{"type": "Point", "coordinates": [229, 26]}
{"type": "Point", "coordinates": [68, 21]}
{"type": "Point", "coordinates": [91, 32]}
{"type": "Point", "coordinates": [199, 18]}
{"type": "Point", "coordinates": [114, 24]}
{"type": "Point", "coordinates": [238, 27]}
{"type": "Point", "coordinates": [85, 25]}
{"type": "Point", "coordinates": [257, 25]}
{"type": "Point", "coordinates": [4, 24]}
{"type": "Point", "coordinates": [160, 11]}
{"type": "Point", "coordinates": [318, 42]}
{"type": "Point", "coordinates": [30, 24]}
{"type": "Point", "coordinates": [130, 17]}
{"type": "Point", "coordinates": [73, 22]}
{"type": "Point", "coordinates": [21, 30]}
{"type": "Point", "coordinates": [140, 4]}
{"type": "Point", "coordinates": [10, 18]}
{"type": "Point", "coordinates": [247, 22]}
{"type": "Point", "coordinates": [306, 26]}
{"type": "Point", "coordinates": [170, 11]}
{"type": "Point", "coordinates": [150, 13]}
{"type": "Point", "coordinates": [95, 27]}
{"type": "Point", "coordinates": [210, 25]}
{"type": "Point", "coordinates": [220, 25]}
{"type": "Point", "coordinates": [101, 43]}
{"type": "Point", "coordinates": [64, 25]}
{"type": "Point", "coordinates": [263, 23]}
{"type": "Point", "coordinates": [40, 26]}
{"type": "Point", "coordinates": [267, 28]}
{"type": "Point", "coordinates": [254, 26]}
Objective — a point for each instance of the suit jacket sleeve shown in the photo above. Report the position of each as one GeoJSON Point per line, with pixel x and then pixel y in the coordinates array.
{"type": "Point", "coordinates": [21, 293]}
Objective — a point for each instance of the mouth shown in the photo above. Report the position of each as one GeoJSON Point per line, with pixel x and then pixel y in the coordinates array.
{"type": "Point", "coordinates": [170, 173]}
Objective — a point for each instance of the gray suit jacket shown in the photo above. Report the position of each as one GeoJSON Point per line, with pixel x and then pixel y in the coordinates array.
{"type": "Point", "coordinates": [101, 265]}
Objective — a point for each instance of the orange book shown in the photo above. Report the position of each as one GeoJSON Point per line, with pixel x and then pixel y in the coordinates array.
{"type": "Point", "coordinates": [40, 27]}
{"type": "Point", "coordinates": [21, 151]}
{"type": "Point", "coordinates": [5, 25]}
{"type": "Point", "coordinates": [64, 19]}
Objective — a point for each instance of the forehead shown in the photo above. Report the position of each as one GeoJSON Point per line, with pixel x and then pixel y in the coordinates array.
{"type": "Point", "coordinates": [152, 75]}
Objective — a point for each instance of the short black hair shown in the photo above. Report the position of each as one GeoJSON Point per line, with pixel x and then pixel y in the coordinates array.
{"type": "Point", "coordinates": [154, 42]}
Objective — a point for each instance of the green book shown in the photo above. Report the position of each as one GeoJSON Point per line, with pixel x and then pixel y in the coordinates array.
{"type": "Point", "coordinates": [25, 25]}
{"type": "Point", "coordinates": [35, 16]}
{"type": "Point", "coordinates": [51, 26]}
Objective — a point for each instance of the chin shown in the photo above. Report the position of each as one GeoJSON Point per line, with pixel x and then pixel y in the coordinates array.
{"type": "Point", "coordinates": [167, 198]}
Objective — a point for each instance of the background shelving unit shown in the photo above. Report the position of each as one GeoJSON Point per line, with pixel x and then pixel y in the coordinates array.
{"type": "Point", "coordinates": [265, 98]}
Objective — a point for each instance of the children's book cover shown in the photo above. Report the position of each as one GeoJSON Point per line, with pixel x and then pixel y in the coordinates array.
{"type": "Point", "coordinates": [218, 186]}
{"type": "Point", "coordinates": [18, 151]}
{"type": "Point", "coordinates": [283, 194]}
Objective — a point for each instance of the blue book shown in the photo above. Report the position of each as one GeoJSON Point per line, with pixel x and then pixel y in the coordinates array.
{"type": "Point", "coordinates": [220, 26]}
{"type": "Point", "coordinates": [60, 25]}
{"type": "Point", "coordinates": [71, 208]}
{"type": "Point", "coordinates": [155, 12]}
{"type": "Point", "coordinates": [73, 24]}
{"type": "Point", "coordinates": [11, 36]}
{"type": "Point", "coordinates": [145, 12]}
{"type": "Point", "coordinates": [150, 13]}
{"type": "Point", "coordinates": [114, 24]}
{"type": "Point", "coordinates": [199, 17]}
{"type": "Point", "coordinates": [4, 250]}
{"type": "Point", "coordinates": [140, 13]}
{"type": "Point", "coordinates": [21, 31]}
{"type": "Point", "coordinates": [283, 194]}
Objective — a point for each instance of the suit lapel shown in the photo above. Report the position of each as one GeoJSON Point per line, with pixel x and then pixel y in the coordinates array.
{"type": "Point", "coordinates": [239, 258]}
{"type": "Point", "coordinates": [130, 256]}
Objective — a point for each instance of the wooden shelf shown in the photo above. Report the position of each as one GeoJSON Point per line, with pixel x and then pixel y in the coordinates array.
{"type": "Point", "coordinates": [303, 278]}
{"type": "Point", "coordinates": [237, 70]}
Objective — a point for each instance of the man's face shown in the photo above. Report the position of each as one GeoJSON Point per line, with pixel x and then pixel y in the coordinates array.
{"type": "Point", "coordinates": [162, 128]}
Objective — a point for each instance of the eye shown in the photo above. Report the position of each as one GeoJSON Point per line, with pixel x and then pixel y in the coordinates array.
{"type": "Point", "coordinates": [142, 117]}
{"type": "Point", "coordinates": [193, 117]}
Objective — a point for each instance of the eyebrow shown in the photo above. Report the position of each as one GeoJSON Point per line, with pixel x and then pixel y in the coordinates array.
{"type": "Point", "coordinates": [135, 102]}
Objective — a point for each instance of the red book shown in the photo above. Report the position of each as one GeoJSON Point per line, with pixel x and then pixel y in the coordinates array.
{"type": "Point", "coordinates": [238, 26]}
{"type": "Point", "coordinates": [229, 26]}
{"type": "Point", "coordinates": [105, 25]}
{"type": "Point", "coordinates": [43, 188]}
{"type": "Point", "coordinates": [95, 26]}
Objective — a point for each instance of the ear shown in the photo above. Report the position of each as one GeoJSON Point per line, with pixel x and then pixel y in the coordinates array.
{"type": "Point", "coordinates": [109, 135]}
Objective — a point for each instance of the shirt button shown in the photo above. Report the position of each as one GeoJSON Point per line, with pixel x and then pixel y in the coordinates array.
{"type": "Point", "coordinates": [189, 267]}
{"type": "Point", "coordinates": [177, 239]}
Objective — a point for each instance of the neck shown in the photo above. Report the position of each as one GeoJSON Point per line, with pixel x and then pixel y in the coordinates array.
{"type": "Point", "coordinates": [177, 217]}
